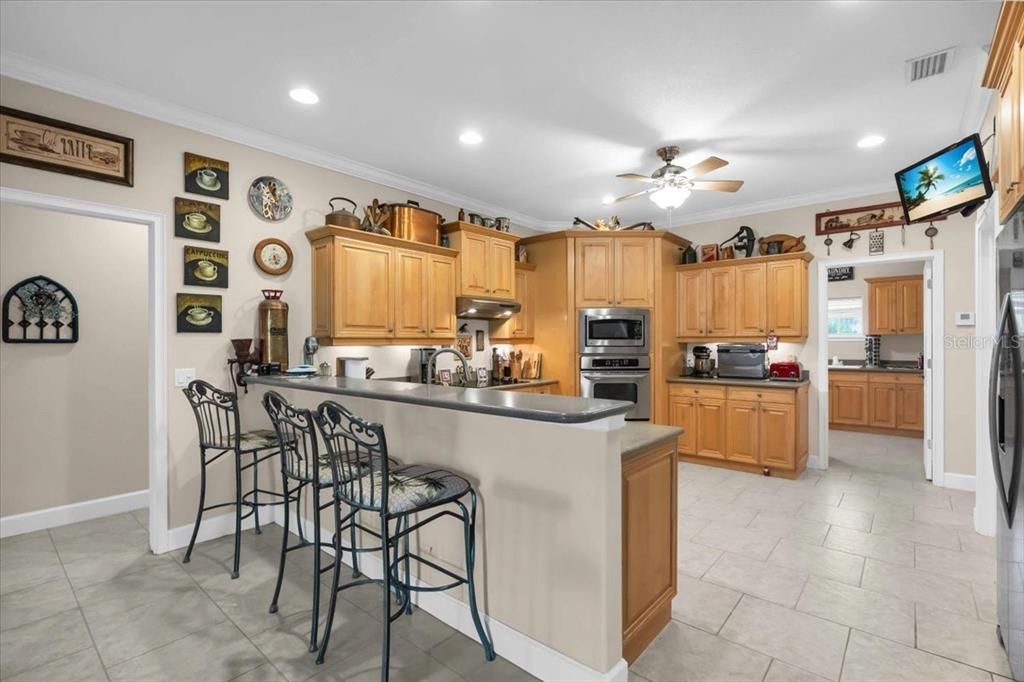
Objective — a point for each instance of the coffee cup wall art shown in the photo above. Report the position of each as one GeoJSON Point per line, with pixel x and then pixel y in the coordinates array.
{"type": "Point", "coordinates": [195, 219]}
{"type": "Point", "coordinates": [206, 176]}
{"type": "Point", "coordinates": [199, 313]}
{"type": "Point", "coordinates": [205, 267]}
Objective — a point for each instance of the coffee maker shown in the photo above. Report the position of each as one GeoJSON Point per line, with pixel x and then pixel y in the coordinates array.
{"type": "Point", "coordinates": [703, 363]}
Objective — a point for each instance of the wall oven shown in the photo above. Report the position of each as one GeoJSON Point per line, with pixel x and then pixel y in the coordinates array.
{"type": "Point", "coordinates": [624, 377]}
{"type": "Point", "coordinates": [621, 331]}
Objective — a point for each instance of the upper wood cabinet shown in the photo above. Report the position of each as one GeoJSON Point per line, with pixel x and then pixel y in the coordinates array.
{"type": "Point", "coordinates": [519, 327]}
{"type": "Point", "coordinates": [739, 300]}
{"type": "Point", "coordinates": [486, 262]}
{"type": "Point", "coordinates": [896, 305]}
{"type": "Point", "coordinates": [371, 288]}
{"type": "Point", "coordinates": [1005, 73]}
{"type": "Point", "coordinates": [615, 271]}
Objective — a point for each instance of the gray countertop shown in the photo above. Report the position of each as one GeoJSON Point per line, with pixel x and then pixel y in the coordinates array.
{"type": "Point", "coordinates": [524, 384]}
{"type": "Point", "coordinates": [533, 406]}
{"type": "Point", "coordinates": [722, 381]}
{"type": "Point", "coordinates": [887, 369]}
{"type": "Point", "coordinates": [638, 436]}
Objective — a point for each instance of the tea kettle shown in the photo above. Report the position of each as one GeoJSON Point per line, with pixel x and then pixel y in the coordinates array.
{"type": "Point", "coordinates": [342, 217]}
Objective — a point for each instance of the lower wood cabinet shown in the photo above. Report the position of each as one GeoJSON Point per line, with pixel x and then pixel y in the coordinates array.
{"type": "Point", "coordinates": [848, 399]}
{"type": "Point", "coordinates": [742, 428]}
{"type": "Point", "coordinates": [877, 402]}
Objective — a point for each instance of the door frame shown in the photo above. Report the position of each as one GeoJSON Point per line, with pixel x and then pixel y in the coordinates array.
{"type": "Point", "coordinates": [934, 380]}
{"type": "Point", "coordinates": [154, 223]}
{"type": "Point", "coordinates": [986, 306]}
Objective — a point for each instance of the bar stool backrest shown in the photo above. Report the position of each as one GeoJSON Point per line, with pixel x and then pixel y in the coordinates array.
{"type": "Point", "coordinates": [358, 452]}
{"type": "Point", "coordinates": [216, 413]}
{"type": "Point", "coordinates": [296, 436]}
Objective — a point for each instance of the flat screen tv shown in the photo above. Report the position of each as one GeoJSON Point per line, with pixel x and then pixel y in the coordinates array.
{"type": "Point", "coordinates": [953, 179]}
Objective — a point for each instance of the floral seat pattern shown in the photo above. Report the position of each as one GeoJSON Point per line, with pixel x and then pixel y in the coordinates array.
{"type": "Point", "coordinates": [351, 470]}
{"type": "Point", "coordinates": [412, 487]}
{"type": "Point", "coordinates": [260, 439]}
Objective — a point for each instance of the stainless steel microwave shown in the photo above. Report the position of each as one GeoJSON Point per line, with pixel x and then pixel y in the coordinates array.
{"type": "Point", "coordinates": [614, 330]}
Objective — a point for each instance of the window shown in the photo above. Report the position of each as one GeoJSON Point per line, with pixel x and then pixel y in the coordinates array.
{"type": "Point", "coordinates": [846, 318]}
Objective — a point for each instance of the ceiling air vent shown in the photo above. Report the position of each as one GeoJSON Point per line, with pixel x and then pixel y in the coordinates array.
{"type": "Point", "coordinates": [929, 65]}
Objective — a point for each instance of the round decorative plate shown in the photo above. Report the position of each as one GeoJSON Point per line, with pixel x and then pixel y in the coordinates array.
{"type": "Point", "coordinates": [270, 199]}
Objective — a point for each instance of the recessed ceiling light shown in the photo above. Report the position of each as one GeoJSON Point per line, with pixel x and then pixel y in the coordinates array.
{"type": "Point", "coordinates": [869, 141]}
{"type": "Point", "coordinates": [471, 137]}
{"type": "Point", "coordinates": [303, 96]}
{"type": "Point", "coordinates": [607, 199]}
{"type": "Point", "coordinates": [471, 311]}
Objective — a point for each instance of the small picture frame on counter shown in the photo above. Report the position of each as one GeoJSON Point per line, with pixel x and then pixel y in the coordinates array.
{"type": "Point", "coordinates": [444, 377]}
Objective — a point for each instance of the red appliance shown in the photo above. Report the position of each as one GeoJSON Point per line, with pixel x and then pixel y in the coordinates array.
{"type": "Point", "coordinates": [785, 370]}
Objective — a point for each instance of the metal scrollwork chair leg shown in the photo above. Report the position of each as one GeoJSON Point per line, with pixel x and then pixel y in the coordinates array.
{"type": "Point", "coordinates": [199, 512]}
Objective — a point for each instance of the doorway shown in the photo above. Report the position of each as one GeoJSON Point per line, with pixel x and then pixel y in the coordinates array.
{"type": "Point", "coordinates": [929, 446]}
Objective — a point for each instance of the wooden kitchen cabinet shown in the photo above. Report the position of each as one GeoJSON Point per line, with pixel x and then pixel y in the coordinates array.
{"type": "Point", "coordinates": [691, 298]}
{"type": "Point", "coordinates": [742, 434]}
{"type": "Point", "coordinates": [896, 305]}
{"type": "Point", "coordinates": [682, 411]}
{"type": "Point", "coordinates": [486, 263]}
{"type": "Point", "coordinates": [882, 307]}
{"type": "Point", "coordinates": [721, 302]}
{"type": "Point", "coordinates": [1005, 73]}
{"type": "Point", "coordinates": [751, 318]}
{"type": "Point", "coordinates": [614, 272]}
{"type": "Point", "coordinates": [786, 293]}
{"type": "Point", "coordinates": [883, 402]}
{"type": "Point", "coordinates": [368, 288]}
{"type": "Point", "coordinates": [910, 302]}
{"type": "Point", "coordinates": [910, 406]}
{"type": "Point", "coordinates": [848, 400]}
{"type": "Point", "coordinates": [711, 432]}
{"type": "Point", "coordinates": [777, 428]}
{"type": "Point", "coordinates": [519, 327]}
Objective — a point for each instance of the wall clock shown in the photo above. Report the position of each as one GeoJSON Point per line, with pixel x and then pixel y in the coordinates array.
{"type": "Point", "coordinates": [273, 256]}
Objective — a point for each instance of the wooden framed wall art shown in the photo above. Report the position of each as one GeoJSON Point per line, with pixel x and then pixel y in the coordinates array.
{"type": "Point", "coordinates": [860, 218]}
{"type": "Point", "coordinates": [205, 267]}
{"type": "Point", "coordinates": [194, 219]}
{"type": "Point", "coordinates": [206, 176]}
{"type": "Point", "coordinates": [47, 144]}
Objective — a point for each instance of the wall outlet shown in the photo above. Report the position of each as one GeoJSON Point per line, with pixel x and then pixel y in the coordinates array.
{"type": "Point", "coordinates": [183, 377]}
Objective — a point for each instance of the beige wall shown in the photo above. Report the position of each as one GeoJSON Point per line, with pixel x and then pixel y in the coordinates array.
{"type": "Point", "coordinates": [955, 239]}
{"type": "Point", "coordinates": [73, 425]}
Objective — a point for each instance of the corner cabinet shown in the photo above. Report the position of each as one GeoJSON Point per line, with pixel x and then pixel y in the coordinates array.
{"type": "Point", "coordinates": [614, 272]}
{"type": "Point", "coordinates": [486, 262]}
{"type": "Point", "coordinates": [519, 327]}
{"type": "Point", "coordinates": [895, 305]}
{"type": "Point", "coordinates": [1005, 74]}
{"type": "Point", "coordinates": [743, 299]}
{"type": "Point", "coordinates": [368, 288]}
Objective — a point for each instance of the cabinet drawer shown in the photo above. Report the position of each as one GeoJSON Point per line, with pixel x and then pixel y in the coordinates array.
{"type": "Point", "coordinates": [694, 391]}
{"type": "Point", "coordinates": [849, 377]}
{"type": "Point", "coordinates": [893, 378]}
{"type": "Point", "coordinates": [770, 395]}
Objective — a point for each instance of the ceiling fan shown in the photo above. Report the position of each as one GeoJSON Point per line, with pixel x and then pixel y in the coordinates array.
{"type": "Point", "coordinates": [671, 184]}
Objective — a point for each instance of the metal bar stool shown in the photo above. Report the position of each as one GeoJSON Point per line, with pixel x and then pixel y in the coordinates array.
{"type": "Point", "coordinates": [395, 493]}
{"type": "Point", "coordinates": [304, 467]}
{"type": "Point", "coordinates": [220, 432]}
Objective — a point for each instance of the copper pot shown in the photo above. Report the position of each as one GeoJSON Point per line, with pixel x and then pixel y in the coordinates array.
{"type": "Point", "coordinates": [343, 217]}
{"type": "Point", "coordinates": [409, 221]}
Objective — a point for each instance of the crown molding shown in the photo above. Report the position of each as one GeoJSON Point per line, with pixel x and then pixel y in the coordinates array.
{"type": "Point", "coordinates": [79, 85]}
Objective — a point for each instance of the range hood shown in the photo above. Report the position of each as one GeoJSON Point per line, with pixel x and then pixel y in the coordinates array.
{"type": "Point", "coordinates": [485, 309]}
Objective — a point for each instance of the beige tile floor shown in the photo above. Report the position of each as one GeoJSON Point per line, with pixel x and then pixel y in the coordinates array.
{"type": "Point", "coordinates": [89, 602]}
{"type": "Point", "coordinates": [863, 572]}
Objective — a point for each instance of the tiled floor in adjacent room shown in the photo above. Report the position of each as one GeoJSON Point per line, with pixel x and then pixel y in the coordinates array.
{"type": "Point", "coordinates": [864, 572]}
{"type": "Point", "coordinates": [88, 602]}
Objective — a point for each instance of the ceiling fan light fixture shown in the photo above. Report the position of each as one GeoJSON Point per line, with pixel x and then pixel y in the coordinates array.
{"type": "Point", "coordinates": [471, 137]}
{"type": "Point", "coordinates": [670, 197]}
{"type": "Point", "coordinates": [608, 199]}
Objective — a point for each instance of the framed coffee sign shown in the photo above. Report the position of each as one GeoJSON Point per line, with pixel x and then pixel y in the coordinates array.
{"type": "Point", "coordinates": [205, 267]}
{"type": "Point", "coordinates": [204, 175]}
{"type": "Point", "coordinates": [195, 219]}
{"type": "Point", "coordinates": [201, 313]}
{"type": "Point", "coordinates": [48, 144]}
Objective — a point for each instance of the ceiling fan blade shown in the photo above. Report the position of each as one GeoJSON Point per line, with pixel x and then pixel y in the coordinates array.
{"type": "Point", "coordinates": [712, 163]}
{"type": "Point", "coordinates": [718, 185]}
{"type": "Point", "coordinates": [635, 176]}
{"type": "Point", "coordinates": [634, 195]}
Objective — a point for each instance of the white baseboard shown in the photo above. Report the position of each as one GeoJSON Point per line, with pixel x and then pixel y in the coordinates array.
{"type": "Point", "coordinates": [213, 527]}
{"type": "Point", "coordinates": [534, 657]}
{"type": "Point", "coordinates": [17, 524]}
{"type": "Point", "coordinates": [959, 481]}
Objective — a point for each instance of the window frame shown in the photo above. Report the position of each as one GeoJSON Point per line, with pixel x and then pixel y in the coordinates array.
{"type": "Point", "coordinates": [828, 318]}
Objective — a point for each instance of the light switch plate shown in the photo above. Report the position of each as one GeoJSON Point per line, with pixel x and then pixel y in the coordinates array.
{"type": "Point", "coordinates": [965, 319]}
{"type": "Point", "coordinates": [183, 377]}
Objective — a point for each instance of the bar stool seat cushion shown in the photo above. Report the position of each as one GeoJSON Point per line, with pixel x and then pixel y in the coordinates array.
{"type": "Point", "coordinates": [259, 439]}
{"type": "Point", "coordinates": [351, 470]}
{"type": "Point", "coordinates": [413, 487]}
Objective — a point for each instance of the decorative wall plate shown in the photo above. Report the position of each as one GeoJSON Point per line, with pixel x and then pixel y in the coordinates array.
{"type": "Point", "coordinates": [273, 256]}
{"type": "Point", "coordinates": [270, 199]}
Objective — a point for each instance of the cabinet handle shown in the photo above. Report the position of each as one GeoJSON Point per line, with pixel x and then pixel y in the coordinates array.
{"type": "Point", "coordinates": [759, 395]}
{"type": "Point", "coordinates": [1012, 186]}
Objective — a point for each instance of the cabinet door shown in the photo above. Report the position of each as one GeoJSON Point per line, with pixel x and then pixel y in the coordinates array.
{"type": "Point", "coordinates": [720, 307]}
{"type": "Point", "coordinates": [411, 300]}
{"type": "Point", "coordinates": [741, 431]}
{"type": "Point", "coordinates": [778, 435]}
{"type": "Point", "coordinates": [364, 301]}
{"type": "Point", "coordinates": [522, 322]}
{"type": "Point", "coordinates": [441, 293]}
{"type": "Point", "coordinates": [882, 308]}
{"type": "Point", "coordinates": [711, 428]}
{"type": "Point", "coordinates": [882, 405]}
{"type": "Point", "coordinates": [323, 287]}
{"type": "Point", "coordinates": [910, 306]}
{"type": "Point", "coordinates": [785, 285]}
{"type": "Point", "coordinates": [595, 278]}
{"type": "Point", "coordinates": [682, 412]}
{"type": "Point", "coordinates": [751, 319]}
{"type": "Point", "coordinates": [474, 253]}
{"type": "Point", "coordinates": [634, 272]}
{"type": "Point", "coordinates": [849, 402]}
{"type": "Point", "coordinates": [1009, 141]}
{"type": "Point", "coordinates": [690, 300]}
{"type": "Point", "coordinates": [910, 407]}
{"type": "Point", "coordinates": [502, 269]}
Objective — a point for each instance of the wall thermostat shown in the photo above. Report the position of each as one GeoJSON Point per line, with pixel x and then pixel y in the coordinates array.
{"type": "Point", "coordinates": [965, 319]}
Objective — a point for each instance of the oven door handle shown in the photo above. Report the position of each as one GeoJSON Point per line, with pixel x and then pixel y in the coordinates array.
{"type": "Point", "coordinates": [627, 376]}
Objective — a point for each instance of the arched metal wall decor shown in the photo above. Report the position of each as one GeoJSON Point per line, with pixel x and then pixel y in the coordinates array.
{"type": "Point", "coordinates": [39, 310]}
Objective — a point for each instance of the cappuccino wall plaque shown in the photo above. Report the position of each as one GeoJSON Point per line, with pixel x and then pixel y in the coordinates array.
{"type": "Point", "coordinates": [205, 267]}
{"type": "Point", "coordinates": [206, 176]}
{"type": "Point", "coordinates": [52, 145]}
{"type": "Point", "coordinates": [199, 313]}
{"type": "Point", "coordinates": [194, 219]}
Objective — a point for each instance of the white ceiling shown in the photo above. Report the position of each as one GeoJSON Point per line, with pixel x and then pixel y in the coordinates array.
{"type": "Point", "coordinates": [566, 94]}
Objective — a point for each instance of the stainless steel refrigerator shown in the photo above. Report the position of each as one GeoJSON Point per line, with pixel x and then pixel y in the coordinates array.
{"type": "Point", "coordinates": [1006, 428]}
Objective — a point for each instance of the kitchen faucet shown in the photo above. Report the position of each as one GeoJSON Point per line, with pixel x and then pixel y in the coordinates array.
{"type": "Point", "coordinates": [433, 361]}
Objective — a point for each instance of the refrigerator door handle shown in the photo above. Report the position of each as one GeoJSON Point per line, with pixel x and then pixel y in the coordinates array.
{"type": "Point", "coordinates": [993, 405]}
{"type": "Point", "coordinates": [1015, 352]}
